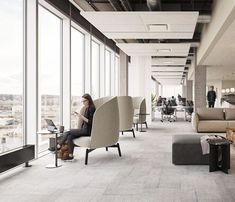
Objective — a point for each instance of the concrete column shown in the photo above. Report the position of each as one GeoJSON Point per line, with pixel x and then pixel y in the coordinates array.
{"type": "Point", "coordinates": [184, 91]}
{"type": "Point", "coordinates": [123, 74]}
{"type": "Point", "coordinates": [189, 86]}
{"type": "Point", "coordinates": [199, 87]}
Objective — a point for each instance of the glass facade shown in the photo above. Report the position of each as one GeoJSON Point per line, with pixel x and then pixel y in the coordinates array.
{"type": "Point", "coordinates": [49, 69]}
{"type": "Point", "coordinates": [53, 91]}
{"type": "Point", "coordinates": [95, 67]}
{"type": "Point", "coordinates": [77, 72]}
{"type": "Point", "coordinates": [12, 71]}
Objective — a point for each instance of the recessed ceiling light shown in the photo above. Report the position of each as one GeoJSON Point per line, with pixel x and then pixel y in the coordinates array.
{"type": "Point", "coordinates": [168, 62]}
{"type": "Point", "coordinates": [166, 50]}
{"type": "Point", "coordinates": [158, 27]}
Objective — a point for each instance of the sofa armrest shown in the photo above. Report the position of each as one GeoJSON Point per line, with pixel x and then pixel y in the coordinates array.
{"type": "Point", "coordinates": [195, 121]}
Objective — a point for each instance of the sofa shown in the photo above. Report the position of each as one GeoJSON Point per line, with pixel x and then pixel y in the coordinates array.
{"type": "Point", "coordinates": [213, 119]}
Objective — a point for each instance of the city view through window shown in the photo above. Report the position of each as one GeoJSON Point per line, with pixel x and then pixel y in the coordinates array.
{"type": "Point", "coordinates": [103, 73]}
{"type": "Point", "coordinates": [11, 78]}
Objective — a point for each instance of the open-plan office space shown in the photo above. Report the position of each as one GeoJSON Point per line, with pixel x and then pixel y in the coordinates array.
{"type": "Point", "coordinates": [125, 54]}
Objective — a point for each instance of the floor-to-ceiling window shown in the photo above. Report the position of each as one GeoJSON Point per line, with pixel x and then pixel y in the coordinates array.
{"type": "Point", "coordinates": [107, 72]}
{"type": "Point", "coordinates": [11, 78]}
{"type": "Point", "coordinates": [49, 70]}
{"type": "Point", "coordinates": [77, 72]}
{"type": "Point", "coordinates": [95, 69]}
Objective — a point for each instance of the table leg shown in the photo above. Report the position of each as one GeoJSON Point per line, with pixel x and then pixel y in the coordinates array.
{"type": "Point", "coordinates": [56, 160]}
{"type": "Point", "coordinates": [213, 158]}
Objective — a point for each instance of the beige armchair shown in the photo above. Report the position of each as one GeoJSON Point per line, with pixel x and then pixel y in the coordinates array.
{"type": "Point", "coordinates": [105, 127]}
{"type": "Point", "coordinates": [139, 105]}
{"type": "Point", "coordinates": [126, 113]}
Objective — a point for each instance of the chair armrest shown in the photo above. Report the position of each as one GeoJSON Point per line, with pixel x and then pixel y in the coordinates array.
{"type": "Point", "coordinates": [195, 121]}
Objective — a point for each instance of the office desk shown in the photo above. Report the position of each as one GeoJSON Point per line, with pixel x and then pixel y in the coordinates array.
{"type": "Point", "coordinates": [46, 132]}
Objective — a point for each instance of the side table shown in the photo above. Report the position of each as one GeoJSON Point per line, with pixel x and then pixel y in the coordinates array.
{"type": "Point", "coordinates": [219, 157]}
{"type": "Point", "coordinates": [55, 132]}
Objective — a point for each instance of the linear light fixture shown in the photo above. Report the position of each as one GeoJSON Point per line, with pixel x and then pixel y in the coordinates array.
{"type": "Point", "coordinates": [158, 27]}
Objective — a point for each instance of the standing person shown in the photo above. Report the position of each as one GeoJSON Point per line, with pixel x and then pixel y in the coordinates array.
{"type": "Point", "coordinates": [85, 129]}
{"type": "Point", "coordinates": [211, 97]}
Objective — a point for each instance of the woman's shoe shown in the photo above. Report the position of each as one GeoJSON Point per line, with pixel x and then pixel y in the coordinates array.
{"type": "Point", "coordinates": [66, 158]}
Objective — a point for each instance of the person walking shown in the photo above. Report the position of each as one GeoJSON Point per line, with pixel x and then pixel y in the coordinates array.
{"type": "Point", "coordinates": [211, 97]}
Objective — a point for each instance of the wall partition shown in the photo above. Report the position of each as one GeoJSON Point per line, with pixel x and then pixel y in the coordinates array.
{"type": "Point", "coordinates": [49, 70]}
{"type": "Point", "coordinates": [12, 71]}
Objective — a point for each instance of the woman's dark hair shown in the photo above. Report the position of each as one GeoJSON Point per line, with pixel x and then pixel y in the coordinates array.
{"type": "Point", "coordinates": [88, 97]}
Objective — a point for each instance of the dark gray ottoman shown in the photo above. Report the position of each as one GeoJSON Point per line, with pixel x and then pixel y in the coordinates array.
{"type": "Point", "coordinates": [187, 150]}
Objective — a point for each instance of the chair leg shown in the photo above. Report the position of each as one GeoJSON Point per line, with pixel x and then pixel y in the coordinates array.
{"type": "Point", "coordinates": [106, 148]}
{"type": "Point", "coordinates": [133, 133]}
{"type": "Point", "coordinates": [146, 124]}
{"type": "Point", "coordinates": [136, 126]}
{"type": "Point", "coordinates": [122, 132]}
{"type": "Point", "coordinates": [119, 150]}
{"type": "Point", "coordinates": [87, 152]}
{"type": "Point", "coordinates": [86, 159]}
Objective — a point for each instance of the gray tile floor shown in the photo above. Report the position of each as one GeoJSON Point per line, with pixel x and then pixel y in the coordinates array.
{"type": "Point", "coordinates": [143, 173]}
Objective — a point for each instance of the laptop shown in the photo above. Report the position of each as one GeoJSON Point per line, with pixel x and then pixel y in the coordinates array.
{"type": "Point", "coordinates": [50, 125]}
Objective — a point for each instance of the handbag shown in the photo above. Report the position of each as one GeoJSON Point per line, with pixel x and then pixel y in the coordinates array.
{"type": "Point", "coordinates": [63, 152]}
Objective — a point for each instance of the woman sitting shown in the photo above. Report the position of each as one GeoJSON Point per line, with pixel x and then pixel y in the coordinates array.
{"type": "Point", "coordinates": [85, 129]}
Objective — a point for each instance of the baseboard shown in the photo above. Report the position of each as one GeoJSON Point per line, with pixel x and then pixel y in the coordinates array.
{"type": "Point", "coordinates": [16, 157]}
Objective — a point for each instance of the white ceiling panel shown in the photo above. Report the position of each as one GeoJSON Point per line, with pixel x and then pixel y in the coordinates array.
{"type": "Point", "coordinates": [169, 81]}
{"type": "Point", "coordinates": [167, 73]}
{"type": "Point", "coordinates": [169, 61]}
{"type": "Point", "coordinates": [145, 35]}
{"type": "Point", "coordinates": [155, 49]}
{"type": "Point", "coordinates": [136, 25]}
{"type": "Point", "coordinates": [167, 76]}
{"type": "Point", "coordinates": [167, 68]}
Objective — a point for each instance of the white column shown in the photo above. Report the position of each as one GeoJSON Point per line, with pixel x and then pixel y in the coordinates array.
{"type": "Point", "coordinates": [66, 74]}
{"type": "Point", "coordinates": [123, 74]}
{"type": "Point", "coordinates": [139, 80]}
{"type": "Point", "coordinates": [31, 72]}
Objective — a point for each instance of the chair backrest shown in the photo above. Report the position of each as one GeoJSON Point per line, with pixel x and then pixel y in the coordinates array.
{"type": "Point", "coordinates": [139, 105]}
{"type": "Point", "coordinates": [126, 112]}
{"type": "Point", "coordinates": [98, 102]}
{"type": "Point", "coordinates": [105, 126]}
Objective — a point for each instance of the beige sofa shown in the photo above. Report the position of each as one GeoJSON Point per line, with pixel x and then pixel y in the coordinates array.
{"type": "Point", "coordinates": [213, 119]}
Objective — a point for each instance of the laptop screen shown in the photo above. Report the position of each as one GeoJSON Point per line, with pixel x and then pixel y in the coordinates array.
{"type": "Point", "coordinates": [50, 125]}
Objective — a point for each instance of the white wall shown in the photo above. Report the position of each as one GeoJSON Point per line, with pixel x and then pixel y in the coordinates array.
{"type": "Point", "coordinates": [214, 30]}
{"type": "Point", "coordinates": [139, 79]}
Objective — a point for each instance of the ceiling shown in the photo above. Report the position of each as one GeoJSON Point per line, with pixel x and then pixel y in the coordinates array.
{"type": "Point", "coordinates": [168, 32]}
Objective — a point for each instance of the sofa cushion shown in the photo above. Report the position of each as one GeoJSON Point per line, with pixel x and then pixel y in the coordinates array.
{"type": "Point", "coordinates": [212, 126]}
{"type": "Point", "coordinates": [210, 113]}
{"type": "Point", "coordinates": [230, 114]}
{"type": "Point", "coordinates": [231, 124]}
{"type": "Point", "coordinates": [187, 150]}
